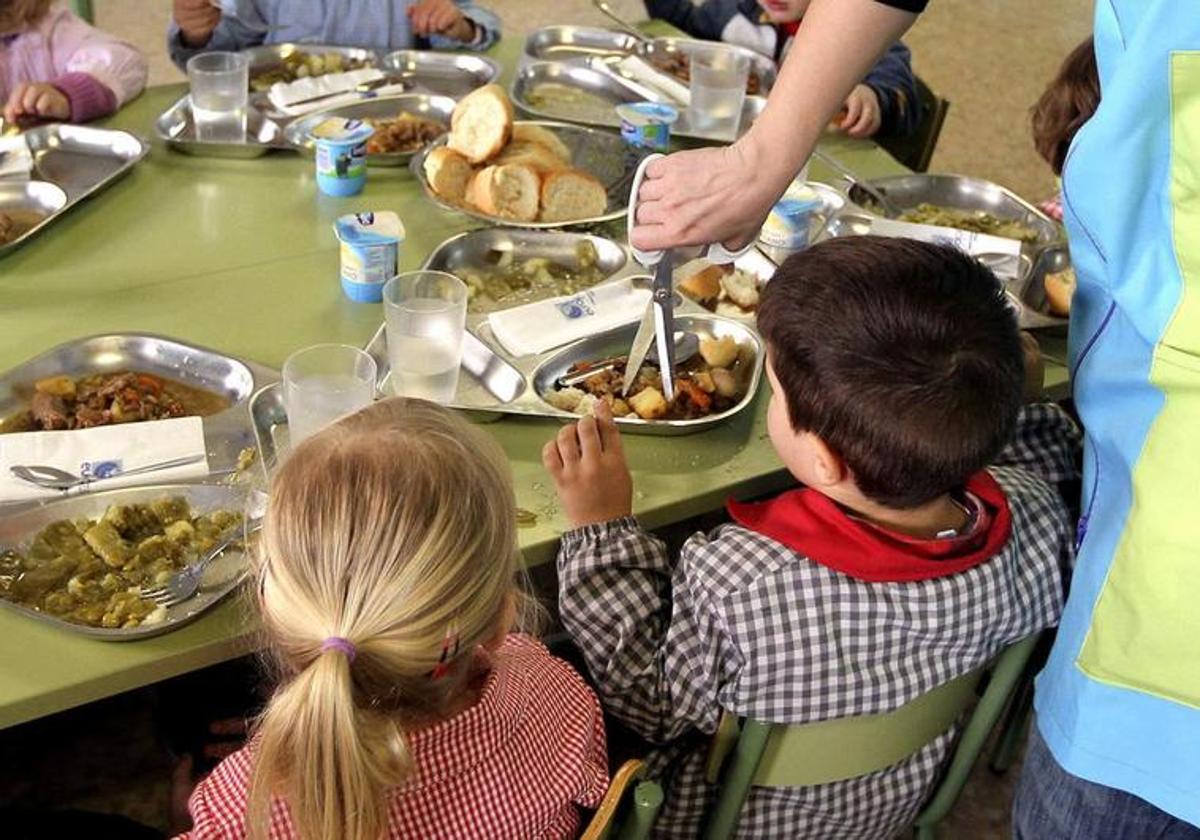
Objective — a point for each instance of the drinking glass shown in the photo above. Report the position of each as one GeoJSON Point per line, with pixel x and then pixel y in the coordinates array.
{"type": "Point", "coordinates": [220, 83]}
{"type": "Point", "coordinates": [323, 383]}
{"type": "Point", "coordinates": [426, 315]}
{"type": "Point", "coordinates": [718, 88]}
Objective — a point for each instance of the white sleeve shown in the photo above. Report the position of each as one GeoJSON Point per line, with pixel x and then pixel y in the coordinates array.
{"type": "Point", "coordinates": [745, 33]}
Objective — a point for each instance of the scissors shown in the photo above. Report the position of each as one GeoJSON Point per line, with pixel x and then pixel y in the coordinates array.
{"type": "Point", "coordinates": [658, 322]}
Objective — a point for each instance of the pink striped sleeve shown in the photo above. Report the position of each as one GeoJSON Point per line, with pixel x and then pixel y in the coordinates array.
{"type": "Point", "coordinates": [76, 47]}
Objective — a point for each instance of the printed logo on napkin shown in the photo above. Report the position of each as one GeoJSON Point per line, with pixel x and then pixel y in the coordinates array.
{"type": "Point", "coordinates": [101, 469]}
{"type": "Point", "coordinates": [580, 306]}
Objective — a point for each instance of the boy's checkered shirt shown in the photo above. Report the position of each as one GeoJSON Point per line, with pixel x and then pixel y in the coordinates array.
{"type": "Point", "coordinates": [745, 624]}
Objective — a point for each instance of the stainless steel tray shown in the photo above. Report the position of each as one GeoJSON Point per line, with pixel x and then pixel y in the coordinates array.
{"type": "Point", "coordinates": [611, 90]}
{"type": "Point", "coordinates": [79, 159]}
{"type": "Point", "coordinates": [385, 107]}
{"type": "Point", "coordinates": [225, 434]}
{"type": "Point", "coordinates": [601, 153]}
{"type": "Point", "coordinates": [176, 128]}
{"type": "Point", "coordinates": [1032, 292]}
{"type": "Point", "coordinates": [960, 192]}
{"type": "Point", "coordinates": [222, 576]}
{"type": "Point", "coordinates": [38, 196]}
{"type": "Point", "coordinates": [443, 73]}
{"type": "Point", "coordinates": [479, 249]}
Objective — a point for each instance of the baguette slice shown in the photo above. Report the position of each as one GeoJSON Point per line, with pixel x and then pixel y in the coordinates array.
{"type": "Point", "coordinates": [481, 124]}
{"type": "Point", "coordinates": [534, 155]}
{"type": "Point", "coordinates": [449, 173]}
{"type": "Point", "coordinates": [703, 284]}
{"type": "Point", "coordinates": [1060, 288]}
{"type": "Point", "coordinates": [571, 195]}
{"type": "Point", "coordinates": [529, 133]}
{"type": "Point", "coordinates": [508, 191]}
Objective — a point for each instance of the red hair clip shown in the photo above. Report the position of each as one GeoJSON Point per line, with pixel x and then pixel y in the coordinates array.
{"type": "Point", "coordinates": [449, 653]}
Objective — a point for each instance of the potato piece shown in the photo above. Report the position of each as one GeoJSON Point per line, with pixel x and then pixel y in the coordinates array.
{"type": "Point", "coordinates": [58, 386]}
{"type": "Point", "coordinates": [649, 404]}
{"type": "Point", "coordinates": [620, 408]}
{"type": "Point", "coordinates": [719, 352]}
{"type": "Point", "coordinates": [565, 400]}
{"type": "Point", "coordinates": [704, 381]}
{"type": "Point", "coordinates": [180, 532]}
{"type": "Point", "coordinates": [171, 509]}
{"type": "Point", "coordinates": [725, 382]}
{"type": "Point", "coordinates": [104, 539]}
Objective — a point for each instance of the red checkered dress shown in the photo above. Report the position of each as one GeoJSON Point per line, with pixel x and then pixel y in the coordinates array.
{"type": "Point", "coordinates": [518, 764]}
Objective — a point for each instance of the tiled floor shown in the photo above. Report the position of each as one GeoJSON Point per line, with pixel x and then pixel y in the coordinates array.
{"type": "Point", "coordinates": [990, 58]}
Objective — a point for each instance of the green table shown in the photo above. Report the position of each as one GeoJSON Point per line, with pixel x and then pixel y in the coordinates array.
{"type": "Point", "coordinates": [240, 256]}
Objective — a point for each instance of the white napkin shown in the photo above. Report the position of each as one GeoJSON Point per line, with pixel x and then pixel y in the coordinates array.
{"type": "Point", "coordinates": [545, 324]}
{"type": "Point", "coordinates": [132, 445]}
{"type": "Point", "coordinates": [285, 95]}
{"type": "Point", "coordinates": [1003, 252]}
{"type": "Point", "coordinates": [643, 71]}
{"type": "Point", "coordinates": [16, 161]}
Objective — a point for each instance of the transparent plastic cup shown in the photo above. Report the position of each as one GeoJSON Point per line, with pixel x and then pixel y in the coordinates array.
{"type": "Point", "coordinates": [324, 383]}
{"type": "Point", "coordinates": [718, 89]}
{"type": "Point", "coordinates": [426, 314]}
{"type": "Point", "coordinates": [220, 82]}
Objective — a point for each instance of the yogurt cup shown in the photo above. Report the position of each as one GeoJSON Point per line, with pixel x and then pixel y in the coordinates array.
{"type": "Point", "coordinates": [790, 221]}
{"type": "Point", "coordinates": [341, 155]}
{"type": "Point", "coordinates": [647, 124]}
{"type": "Point", "coordinates": [370, 251]}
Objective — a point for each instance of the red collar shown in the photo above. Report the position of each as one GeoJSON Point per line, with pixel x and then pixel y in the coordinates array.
{"type": "Point", "coordinates": [813, 525]}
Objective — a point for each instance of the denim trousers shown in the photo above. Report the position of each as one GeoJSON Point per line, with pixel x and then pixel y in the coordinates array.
{"type": "Point", "coordinates": [1051, 804]}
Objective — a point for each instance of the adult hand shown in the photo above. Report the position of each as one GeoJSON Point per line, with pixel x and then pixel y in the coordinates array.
{"type": "Point", "coordinates": [864, 115]}
{"type": "Point", "coordinates": [587, 462]}
{"type": "Point", "coordinates": [37, 99]}
{"type": "Point", "coordinates": [196, 20]}
{"type": "Point", "coordinates": [440, 17]}
{"type": "Point", "coordinates": [708, 195]}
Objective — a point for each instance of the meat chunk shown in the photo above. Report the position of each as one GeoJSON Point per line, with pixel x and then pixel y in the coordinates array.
{"type": "Point", "coordinates": [49, 411]}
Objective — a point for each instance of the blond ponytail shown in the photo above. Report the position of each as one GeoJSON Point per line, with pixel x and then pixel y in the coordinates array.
{"type": "Point", "coordinates": [394, 531]}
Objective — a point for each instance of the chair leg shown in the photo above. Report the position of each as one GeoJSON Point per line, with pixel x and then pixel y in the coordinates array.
{"type": "Point", "coordinates": [1014, 732]}
{"type": "Point", "coordinates": [926, 832]}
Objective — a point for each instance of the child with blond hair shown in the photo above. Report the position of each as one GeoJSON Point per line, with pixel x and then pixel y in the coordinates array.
{"type": "Point", "coordinates": [406, 707]}
{"type": "Point", "coordinates": [54, 66]}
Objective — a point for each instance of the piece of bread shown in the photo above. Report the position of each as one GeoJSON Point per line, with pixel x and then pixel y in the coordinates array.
{"type": "Point", "coordinates": [571, 195]}
{"type": "Point", "coordinates": [741, 287]}
{"type": "Point", "coordinates": [1060, 288]}
{"type": "Point", "coordinates": [448, 173]}
{"type": "Point", "coordinates": [529, 133]}
{"type": "Point", "coordinates": [703, 285]}
{"type": "Point", "coordinates": [534, 155]}
{"type": "Point", "coordinates": [508, 191]}
{"type": "Point", "coordinates": [481, 124]}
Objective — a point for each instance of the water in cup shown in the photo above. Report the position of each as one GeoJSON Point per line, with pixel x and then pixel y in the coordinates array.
{"type": "Point", "coordinates": [718, 91]}
{"type": "Point", "coordinates": [219, 89]}
{"type": "Point", "coordinates": [324, 383]}
{"type": "Point", "coordinates": [220, 118]}
{"type": "Point", "coordinates": [426, 316]}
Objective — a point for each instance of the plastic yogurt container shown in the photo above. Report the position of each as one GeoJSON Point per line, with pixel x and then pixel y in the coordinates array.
{"type": "Point", "coordinates": [790, 221]}
{"type": "Point", "coordinates": [341, 155]}
{"type": "Point", "coordinates": [370, 250]}
{"type": "Point", "coordinates": [647, 124]}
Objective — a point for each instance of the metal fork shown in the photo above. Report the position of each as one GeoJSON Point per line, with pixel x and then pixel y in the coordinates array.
{"type": "Point", "coordinates": [186, 582]}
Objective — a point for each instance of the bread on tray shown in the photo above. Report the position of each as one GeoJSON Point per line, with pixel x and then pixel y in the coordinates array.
{"type": "Point", "coordinates": [516, 171]}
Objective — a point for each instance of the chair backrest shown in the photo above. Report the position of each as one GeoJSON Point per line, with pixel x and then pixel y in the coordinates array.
{"type": "Point", "coordinates": [628, 809]}
{"type": "Point", "coordinates": [816, 753]}
{"type": "Point", "coordinates": [83, 8]}
{"type": "Point", "coordinates": [916, 150]}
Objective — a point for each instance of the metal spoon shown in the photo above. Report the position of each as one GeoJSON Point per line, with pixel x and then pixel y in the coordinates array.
{"type": "Point", "coordinates": [625, 25]}
{"type": "Point", "coordinates": [52, 478]}
{"type": "Point", "coordinates": [885, 204]}
{"type": "Point", "coordinates": [687, 345]}
{"type": "Point", "coordinates": [253, 27]}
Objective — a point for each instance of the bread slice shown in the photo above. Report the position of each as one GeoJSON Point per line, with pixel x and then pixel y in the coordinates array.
{"type": "Point", "coordinates": [448, 173]}
{"type": "Point", "coordinates": [703, 284]}
{"type": "Point", "coordinates": [534, 155]}
{"type": "Point", "coordinates": [530, 133]}
{"type": "Point", "coordinates": [571, 195]}
{"type": "Point", "coordinates": [508, 191]}
{"type": "Point", "coordinates": [1060, 288]}
{"type": "Point", "coordinates": [481, 124]}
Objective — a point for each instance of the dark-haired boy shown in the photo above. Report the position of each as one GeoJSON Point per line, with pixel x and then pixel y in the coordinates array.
{"type": "Point", "coordinates": [896, 373]}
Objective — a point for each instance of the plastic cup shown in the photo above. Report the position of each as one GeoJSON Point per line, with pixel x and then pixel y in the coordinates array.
{"type": "Point", "coordinates": [718, 91]}
{"type": "Point", "coordinates": [324, 383]}
{"type": "Point", "coordinates": [426, 315]}
{"type": "Point", "coordinates": [220, 82]}
{"type": "Point", "coordinates": [341, 157]}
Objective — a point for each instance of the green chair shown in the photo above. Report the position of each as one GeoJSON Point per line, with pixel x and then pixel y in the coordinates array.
{"type": "Point", "coordinates": [83, 8]}
{"type": "Point", "coordinates": [829, 751]}
{"type": "Point", "coordinates": [916, 150]}
{"type": "Point", "coordinates": [628, 809]}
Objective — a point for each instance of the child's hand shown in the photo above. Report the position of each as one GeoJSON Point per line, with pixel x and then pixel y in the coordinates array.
{"type": "Point", "coordinates": [196, 19]}
{"type": "Point", "coordinates": [587, 463]}
{"type": "Point", "coordinates": [37, 99]}
{"type": "Point", "coordinates": [863, 114]}
{"type": "Point", "coordinates": [440, 17]}
{"type": "Point", "coordinates": [1035, 368]}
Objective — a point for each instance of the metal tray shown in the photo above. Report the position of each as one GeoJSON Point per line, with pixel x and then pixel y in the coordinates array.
{"type": "Point", "coordinates": [222, 577]}
{"type": "Point", "coordinates": [478, 249]}
{"type": "Point", "coordinates": [225, 434]}
{"type": "Point", "coordinates": [611, 90]}
{"type": "Point", "coordinates": [514, 386]}
{"type": "Point", "coordinates": [1032, 292]}
{"type": "Point", "coordinates": [38, 196]}
{"type": "Point", "coordinates": [386, 107]}
{"type": "Point", "coordinates": [960, 192]}
{"type": "Point", "coordinates": [176, 128]}
{"type": "Point", "coordinates": [601, 153]}
{"type": "Point", "coordinates": [444, 73]}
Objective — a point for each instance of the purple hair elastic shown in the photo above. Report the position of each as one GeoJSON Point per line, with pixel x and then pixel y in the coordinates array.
{"type": "Point", "coordinates": [344, 645]}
